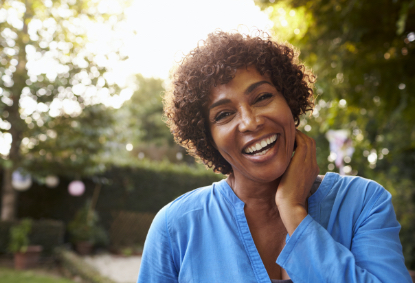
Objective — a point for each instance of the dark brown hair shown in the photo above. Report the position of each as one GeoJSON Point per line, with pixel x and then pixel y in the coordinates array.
{"type": "Point", "coordinates": [215, 62]}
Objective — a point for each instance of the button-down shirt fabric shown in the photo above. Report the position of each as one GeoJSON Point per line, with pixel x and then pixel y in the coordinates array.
{"type": "Point", "coordinates": [349, 235]}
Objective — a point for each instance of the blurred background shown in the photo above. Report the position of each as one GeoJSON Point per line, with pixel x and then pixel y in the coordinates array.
{"type": "Point", "coordinates": [85, 157]}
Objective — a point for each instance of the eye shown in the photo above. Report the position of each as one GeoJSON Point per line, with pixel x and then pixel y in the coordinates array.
{"type": "Point", "coordinates": [264, 97]}
{"type": "Point", "coordinates": [222, 115]}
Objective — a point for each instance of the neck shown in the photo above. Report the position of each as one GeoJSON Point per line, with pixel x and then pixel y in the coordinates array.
{"type": "Point", "coordinates": [255, 195]}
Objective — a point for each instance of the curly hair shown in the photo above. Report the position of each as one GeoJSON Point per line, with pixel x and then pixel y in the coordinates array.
{"type": "Point", "coordinates": [215, 62]}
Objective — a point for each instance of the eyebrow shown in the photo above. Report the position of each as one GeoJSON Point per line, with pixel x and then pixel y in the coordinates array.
{"type": "Point", "coordinates": [255, 85]}
{"type": "Point", "coordinates": [220, 102]}
{"type": "Point", "coordinates": [249, 89]}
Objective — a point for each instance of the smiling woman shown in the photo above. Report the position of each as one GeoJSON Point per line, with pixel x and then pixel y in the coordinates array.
{"type": "Point", "coordinates": [243, 116]}
{"type": "Point", "coordinates": [235, 103]}
{"type": "Point", "coordinates": [215, 64]}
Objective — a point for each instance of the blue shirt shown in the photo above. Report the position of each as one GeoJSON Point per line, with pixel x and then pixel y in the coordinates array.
{"type": "Point", "coordinates": [349, 235]}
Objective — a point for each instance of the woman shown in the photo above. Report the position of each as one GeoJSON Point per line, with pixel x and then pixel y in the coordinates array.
{"type": "Point", "coordinates": [235, 104]}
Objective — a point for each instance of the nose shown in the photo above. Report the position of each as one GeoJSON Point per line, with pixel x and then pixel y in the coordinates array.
{"type": "Point", "coordinates": [250, 120]}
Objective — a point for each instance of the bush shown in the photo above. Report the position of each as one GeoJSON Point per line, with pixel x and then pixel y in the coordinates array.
{"type": "Point", "coordinates": [84, 227]}
{"type": "Point", "coordinates": [45, 233]}
{"type": "Point", "coordinates": [48, 234]}
{"type": "Point", "coordinates": [129, 229]}
{"type": "Point", "coordinates": [145, 188]}
{"type": "Point", "coordinates": [5, 235]}
{"type": "Point", "coordinates": [19, 236]}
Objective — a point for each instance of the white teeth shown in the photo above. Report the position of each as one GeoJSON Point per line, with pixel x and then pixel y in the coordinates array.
{"type": "Point", "coordinates": [259, 145]}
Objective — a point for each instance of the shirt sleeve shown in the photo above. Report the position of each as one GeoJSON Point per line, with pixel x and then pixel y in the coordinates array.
{"type": "Point", "coordinates": [312, 255]}
{"type": "Point", "coordinates": [157, 264]}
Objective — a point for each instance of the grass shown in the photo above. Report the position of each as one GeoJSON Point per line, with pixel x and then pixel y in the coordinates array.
{"type": "Point", "coordinates": [32, 276]}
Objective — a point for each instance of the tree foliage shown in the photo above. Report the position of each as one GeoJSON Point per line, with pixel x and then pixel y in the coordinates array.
{"type": "Point", "coordinates": [145, 111]}
{"type": "Point", "coordinates": [53, 83]}
{"type": "Point", "coordinates": [363, 53]}
{"type": "Point", "coordinates": [139, 130]}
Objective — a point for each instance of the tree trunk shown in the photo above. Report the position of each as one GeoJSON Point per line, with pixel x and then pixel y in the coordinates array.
{"type": "Point", "coordinates": [9, 196]}
{"type": "Point", "coordinates": [17, 125]}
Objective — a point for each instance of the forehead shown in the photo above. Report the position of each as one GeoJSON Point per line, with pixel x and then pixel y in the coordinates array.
{"type": "Point", "coordinates": [243, 79]}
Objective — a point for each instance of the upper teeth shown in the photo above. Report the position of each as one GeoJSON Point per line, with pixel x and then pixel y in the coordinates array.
{"type": "Point", "coordinates": [261, 144]}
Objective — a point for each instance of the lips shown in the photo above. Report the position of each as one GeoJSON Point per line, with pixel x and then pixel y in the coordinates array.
{"type": "Point", "coordinates": [262, 146]}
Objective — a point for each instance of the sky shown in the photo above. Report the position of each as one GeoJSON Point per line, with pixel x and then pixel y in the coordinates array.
{"type": "Point", "coordinates": [165, 30]}
{"type": "Point", "coordinates": [155, 35]}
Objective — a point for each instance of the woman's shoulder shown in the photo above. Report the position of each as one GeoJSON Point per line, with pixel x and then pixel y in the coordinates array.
{"type": "Point", "coordinates": [188, 210]}
{"type": "Point", "coordinates": [196, 199]}
{"type": "Point", "coordinates": [338, 184]}
{"type": "Point", "coordinates": [352, 192]}
{"type": "Point", "coordinates": [348, 201]}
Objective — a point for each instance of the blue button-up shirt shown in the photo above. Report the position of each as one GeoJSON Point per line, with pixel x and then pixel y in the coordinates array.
{"type": "Point", "coordinates": [349, 235]}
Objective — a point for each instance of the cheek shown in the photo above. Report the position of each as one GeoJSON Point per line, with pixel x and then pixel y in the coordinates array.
{"type": "Point", "coordinates": [220, 139]}
{"type": "Point", "coordinates": [224, 141]}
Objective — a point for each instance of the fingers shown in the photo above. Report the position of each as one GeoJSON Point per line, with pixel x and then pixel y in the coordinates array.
{"type": "Point", "coordinates": [301, 173]}
{"type": "Point", "coordinates": [301, 144]}
{"type": "Point", "coordinates": [307, 150]}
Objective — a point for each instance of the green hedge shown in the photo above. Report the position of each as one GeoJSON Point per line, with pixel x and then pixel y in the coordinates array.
{"type": "Point", "coordinates": [145, 188]}
{"type": "Point", "coordinates": [46, 233]}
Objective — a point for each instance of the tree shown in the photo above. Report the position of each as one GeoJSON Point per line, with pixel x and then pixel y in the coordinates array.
{"type": "Point", "coordinates": [363, 53]}
{"type": "Point", "coordinates": [52, 87]}
{"type": "Point", "coordinates": [146, 110]}
{"type": "Point", "coordinates": [140, 126]}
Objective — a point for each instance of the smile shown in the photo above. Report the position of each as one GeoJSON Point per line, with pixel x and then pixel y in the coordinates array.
{"type": "Point", "coordinates": [262, 146]}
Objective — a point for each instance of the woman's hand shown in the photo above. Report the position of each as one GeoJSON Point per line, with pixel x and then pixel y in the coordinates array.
{"type": "Point", "coordinates": [295, 184]}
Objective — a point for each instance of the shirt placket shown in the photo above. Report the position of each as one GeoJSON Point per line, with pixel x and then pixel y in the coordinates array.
{"type": "Point", "coordinates": [250, 248]}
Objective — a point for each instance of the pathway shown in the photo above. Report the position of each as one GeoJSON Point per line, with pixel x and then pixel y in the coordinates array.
{"type": "Point", "coordinates": [118, 268]}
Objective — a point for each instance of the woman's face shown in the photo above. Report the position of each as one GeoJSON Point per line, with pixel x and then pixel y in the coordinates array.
{"type": "Point", "coordinates": [252, 126]}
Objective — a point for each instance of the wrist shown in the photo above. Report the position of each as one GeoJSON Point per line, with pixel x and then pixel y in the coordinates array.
{"type": "Point", "coordinates": [289, 204]}
{"type": "Point", "coordinates": [292, 216]}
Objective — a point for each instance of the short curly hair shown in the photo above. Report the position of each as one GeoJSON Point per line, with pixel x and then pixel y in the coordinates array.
{"type": "Point", "coordinates": [215, 62]}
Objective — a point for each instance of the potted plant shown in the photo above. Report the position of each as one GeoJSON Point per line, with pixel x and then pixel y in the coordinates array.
{"type": "Point", "coordinates": [85, 231]}
{"type": "Point", "coordinates": [25, 255]}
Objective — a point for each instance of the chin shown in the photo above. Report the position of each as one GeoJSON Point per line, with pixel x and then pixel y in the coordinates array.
{"type": "Point", "coordinates": [262, 172]}
{"type": "Point", "coordinates": [265, 176]}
